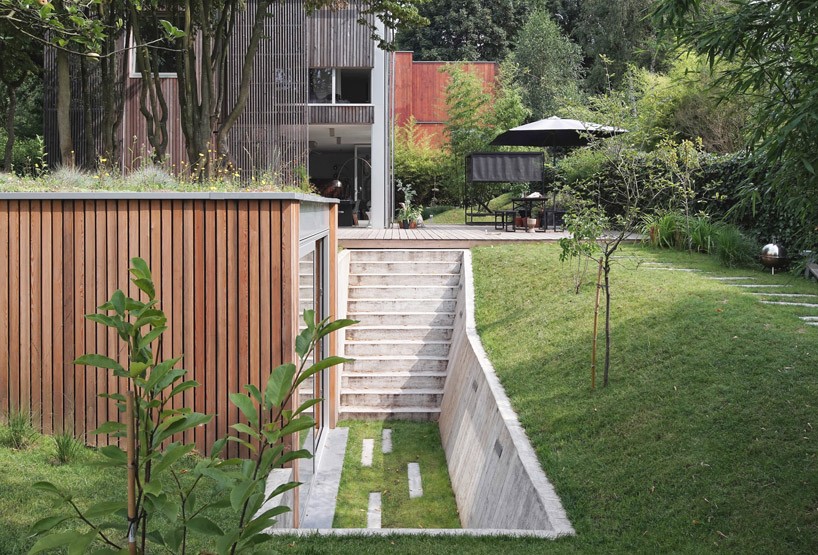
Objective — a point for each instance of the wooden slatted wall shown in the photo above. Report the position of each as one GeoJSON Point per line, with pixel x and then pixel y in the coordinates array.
{"type": "Point", "coordinates": [223, 271]}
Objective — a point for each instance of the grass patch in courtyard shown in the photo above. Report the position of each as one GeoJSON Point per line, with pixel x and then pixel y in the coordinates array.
{"type": "Point", "coordinates": [411, 442]}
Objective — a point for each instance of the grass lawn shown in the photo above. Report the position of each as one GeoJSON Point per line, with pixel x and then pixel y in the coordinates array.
{"type": "Point", "coordinates": [411, 442]}
{"type": "Point", "coordinates": [448, 215]}
{"type": "Point", "coordinates": [704, 442]}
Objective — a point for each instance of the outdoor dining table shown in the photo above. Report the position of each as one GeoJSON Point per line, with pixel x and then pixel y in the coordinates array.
{"type": "Point", "coordinates": [524, 206]}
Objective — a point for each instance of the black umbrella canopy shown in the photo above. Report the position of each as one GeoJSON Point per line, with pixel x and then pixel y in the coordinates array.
{"type": "Point", "coordinates": [555, 131]}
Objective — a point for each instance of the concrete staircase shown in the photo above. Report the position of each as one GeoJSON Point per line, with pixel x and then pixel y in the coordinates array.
{"type": "Point", "coordinates": [405, 301]}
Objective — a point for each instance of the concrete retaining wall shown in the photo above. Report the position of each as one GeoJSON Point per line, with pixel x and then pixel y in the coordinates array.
{"type": "Point", "coordinates": [495, 474]}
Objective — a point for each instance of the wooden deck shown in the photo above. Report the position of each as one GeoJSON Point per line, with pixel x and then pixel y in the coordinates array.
{"type": "Point", "coordinates": [438, 236]}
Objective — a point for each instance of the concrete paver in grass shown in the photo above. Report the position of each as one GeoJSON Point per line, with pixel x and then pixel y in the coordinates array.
{"type": "Point", "coordinates": [386, 441]}
{"type": "Point", "coordinates": [373, 512]}
{"type": "Point", "coordinates": [368, 447]}
{"type": "Point", "coordinates": [415, 483]}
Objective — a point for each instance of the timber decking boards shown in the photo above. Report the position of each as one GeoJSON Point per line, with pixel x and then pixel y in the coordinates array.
{"type": "Point", "coordinates": [439, 236]}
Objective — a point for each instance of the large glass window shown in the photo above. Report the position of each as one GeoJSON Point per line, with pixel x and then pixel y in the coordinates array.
{"type": "Point", "coordinates": [340, 86]}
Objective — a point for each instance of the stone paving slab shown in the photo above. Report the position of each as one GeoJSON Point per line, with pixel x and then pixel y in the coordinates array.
{"type": "Point", "coordinates": [366, 452]}
{"type": "Point", "coordinates": [373, 513]}
{"type": "Point", "coordinates": [386, 441]}
{"type": "Point", "coordinates": [321, 504]}
{"type": "Point", "coordinates": [415, 483]}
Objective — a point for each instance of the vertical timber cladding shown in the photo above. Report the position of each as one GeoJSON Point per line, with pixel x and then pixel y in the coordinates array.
{"type": "Point", "coordinates": [219, 267]}
{"type": "Point", "coordinates": [269, 140]}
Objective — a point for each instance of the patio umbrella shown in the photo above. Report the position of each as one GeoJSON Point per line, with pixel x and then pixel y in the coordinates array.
{"type": "Point", "coordinates": [555, 131]}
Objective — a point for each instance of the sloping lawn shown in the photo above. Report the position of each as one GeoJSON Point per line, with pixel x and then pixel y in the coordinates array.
{"type": "Point", "coordinates": [704, 441]}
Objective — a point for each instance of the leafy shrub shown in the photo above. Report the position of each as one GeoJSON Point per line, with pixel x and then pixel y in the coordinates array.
{"type": "Point", "coordinates": [733, 248]}
{"type": "Point", "coordinates": [702, 233]}
{"type": "Point", "coordinates": [67, 447]}
{"type": "Point", "coordinates": [27, 154]}
{"type": "Point", "coordinates": [417, 162]}
{"type": "Point", "coordinates": [21, 432]}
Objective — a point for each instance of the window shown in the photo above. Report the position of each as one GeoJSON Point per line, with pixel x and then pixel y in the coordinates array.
{"type": "Point", "coordinates": [340, 86]}
{"type": "Point", "coordinates": [162, 50]}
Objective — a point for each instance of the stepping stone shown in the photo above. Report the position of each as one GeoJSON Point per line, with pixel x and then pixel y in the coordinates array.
{"type": "Point", "coordinates": [785, 295]}
{"type": "Point", "coordinates": [785, 303]}
{"type": "Point", "coordinates": [366, 452]}
{"type": "Point", "coordinates": [809, 318]}
{"type": "Point", "coordinates": [386, 441]}
{"type": "Point", "coordinates": [735, 278]}
{"type": "Point", "coordinates": [373, 512]}
{"type": "Point", "coordinates": [755, 285]}
{"type": "Point", "coordinates": [812, 323]}
{"type": "Point", "coordinates": [415, 485]}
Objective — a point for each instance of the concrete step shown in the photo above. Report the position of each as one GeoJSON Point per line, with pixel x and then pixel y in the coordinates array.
{"type": "Point", "coordinates": [393, 380]}
{"type": "Point", "coordinates": [356, 349]}
{"type": "Point", "coordinates": [418, 414]}
{"type": "Point", "coordinates": [403, 279]}
{"type": "Point", "coordinates": [403, 267]}
{"type": "Point", "coordinates": [400, 306]}
{"type": "Point", "coordinates": [389, 398]}
{"type": "Point", "coordinates": [381, 364]}
{"type": "Point", "coordinates": [402, 292]}
{"type": "Point", "coordinates": [445, 319]}
{"type": "Point", "coordinates": [410, 255]}
{"type": "Point", "coordinates": [413, 333]}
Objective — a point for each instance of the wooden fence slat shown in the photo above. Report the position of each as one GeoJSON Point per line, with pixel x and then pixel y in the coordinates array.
{"type": "Point", "coordinates": [78, 372]}
{"type": "Point", "coordinates": [222, 247]}
{"type": "Point", "coordinates": [253, 284]}
{"type": "Point", "coordinates": [112, 265]}
{"type": "Point", "coordinates": [57, 318]}
{"type": "Point", "coordinates": [25, 306]}
{"type": "Point", "coordinates": [192, 398]}
{"type": "Point", "coordinates": [232, 366]}
{"type": "Point", "coordinates": [202, 403]}
{"type": "Point", "coordinates": [243, 297]}
{"type": "Point", "coordinates": [46, 318]}
{"type": "Point", "coordinates": [101, 295]}
{"type": "Point", "coordinates": [210, 321]}
{"type": "Point", "coordinates": [68, 300]}
{"type": "Point", "coordinates": [35, 311]}
{"type": "Point", "coordinates": [90, 346]}
{"type": "Point", "coordinates": [14, 304]}
{"type": "Point", "coordinates": [265, 295]}
{"type": "Point", "coordinates": [5, 367]}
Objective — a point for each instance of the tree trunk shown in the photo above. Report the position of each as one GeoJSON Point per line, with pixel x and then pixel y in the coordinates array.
{"type": "Point", "coordinates": [66, 143]}
{"type": "Point", "coordinates": [11, 111]}
{"type": "Point", "coordinates": [89, 158]}
{"type": "Point", "coordinates": [152, 104]}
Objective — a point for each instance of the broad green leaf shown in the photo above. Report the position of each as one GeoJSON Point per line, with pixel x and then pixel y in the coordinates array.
{"type": "Point", "coordinates": [118, 302]}
{"type": "Point", "coordinates": [52, 541]}
{"type": "Point", "coordinates": [306, 405]}
{"type": "Point", "coordinates": [110, 428]}
{"type": "Point", "coordinates": [159, 372]}
{"type": "Point", "coordinates": [184, 386]}
{"type": "Point", "coordinates": [302, 343]}
{"type": "Point", "coordinates": [115, 454]}
{"type": "Point", "coordinates": [81, 542]}
{"type": "Point", "coordinates": [173, 539]}
{"type": "Point", "coordinates": [47, 523]}
{"type": "Point", "coordinates": [223, 544]}
{"type": "Point", "coordinates": [245, 443]}
{"type": "Point", "coordinates": [146, 286]}
{"type": "Point", "coordinates": [139, 268]}
{"type": "Point", "coordinates": [293, 455]}
{"type": "Point", "coordinates": [268, 459]}
{"type": "Point", "coordinates": [297, 424]}
{"type": "Point", "coordinates": [114, 396]}
{"type": "Point", "coordinates": [104, 508]}
{"type": "Point", "coordinates": [47, 487]}
{"type": "Point", "coordinates": [151, 336]}
{"type": "Point", "coordinates": [263, 521]}
{"type": "Point", "coordinates": [240, 492]}
{"type": "Point", "coordinates": [154, 487]}
{"type": "Point", "coordinates": [309, 318]}
{"type": "Point", "coordinates": [246, 406]}
{"type": "Point", "coordinates": [102, 319]}
{"type": "Point", "coordinates": [173, 453]}
{"type": "Point", "coordinates": [245, 429]}
{"type": "Point", "coordinates": [334, 326]}
{"type": "Point", "coordinates": [137, 369]}
{"type": "Point", "coordinates": [254, 392]}
{"type": "Point", "coordinates": [322, 364]}
{"type": "Point", "coordinates": [187, 422]}
{"type": "Point", "coordinates": [278, 385]}
{"type": "Point", "coordinates": [98, 361]}
{"type": "Point", "coordinates": [282, 489]}
{"type": "Point", "coordinates": [204, 525]}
